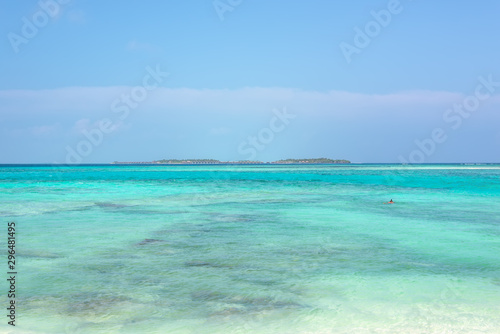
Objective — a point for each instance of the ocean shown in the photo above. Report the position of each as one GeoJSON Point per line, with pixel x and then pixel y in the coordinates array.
{"type": "Point", "coordinates": [252, 248]}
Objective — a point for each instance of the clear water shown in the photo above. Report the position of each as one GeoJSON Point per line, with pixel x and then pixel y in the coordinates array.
{"type": "Point", "coordinates": [254, 249]}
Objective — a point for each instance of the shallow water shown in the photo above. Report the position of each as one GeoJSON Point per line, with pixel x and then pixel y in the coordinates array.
{"type": "Point", "coordinates": [255, 249]}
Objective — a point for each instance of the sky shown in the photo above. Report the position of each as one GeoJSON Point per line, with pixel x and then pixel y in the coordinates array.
{"type": "Point", "coordinates": [410, 81]}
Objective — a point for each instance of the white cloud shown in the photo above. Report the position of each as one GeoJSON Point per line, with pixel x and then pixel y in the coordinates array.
{"type": "Point", "coordinates": [96, 102]}
{"type": "Point", "coordinates": [205, 120]}
{"type": "Point", "coordinates": [45, 130]}
{"type": "Point", "coordinates": [37, 131]}
{"type": "Point", "coordinates": [87, 125]}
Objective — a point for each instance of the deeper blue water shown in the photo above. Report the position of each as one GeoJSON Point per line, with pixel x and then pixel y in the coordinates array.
{"type": "Point", "coordinates": [254, 249]}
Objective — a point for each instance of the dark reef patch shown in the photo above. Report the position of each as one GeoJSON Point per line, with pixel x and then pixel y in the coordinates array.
{"type": "Point", "coordinates": [110, 205]}
{"type": "Point", "coordinates": [38, 254]}
{"type": "Point", "coordinates": [149, 241]}
{"type": "Point", "coordinates": [206, 264]}
{"type": "Point", "coordinates": [93, 303]}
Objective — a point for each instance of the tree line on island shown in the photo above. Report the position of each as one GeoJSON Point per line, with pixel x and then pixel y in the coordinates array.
{"type": "Point", "coordinates": [241, 162]}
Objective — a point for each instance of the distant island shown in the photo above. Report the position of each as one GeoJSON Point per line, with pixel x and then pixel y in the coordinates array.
{"type": "Point", "coordinates": [241, 162]}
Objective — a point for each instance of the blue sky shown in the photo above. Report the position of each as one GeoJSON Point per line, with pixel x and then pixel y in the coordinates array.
{"type": "Point", "coordinates": [368, 81]}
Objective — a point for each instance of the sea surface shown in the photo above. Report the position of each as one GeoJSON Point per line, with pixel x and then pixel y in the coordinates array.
{"type": "Point", "coordinates": [253, 249]}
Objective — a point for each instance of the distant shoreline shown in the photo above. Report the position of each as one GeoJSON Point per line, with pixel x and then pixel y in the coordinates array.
{"type": "Point", "coordinates": [464, 164]}
{"type": "Point", "coordinates": [314, 161]}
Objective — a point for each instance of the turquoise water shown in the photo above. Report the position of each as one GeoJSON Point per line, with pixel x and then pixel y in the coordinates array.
{"type": "Point", "coordinates": [254, 249]}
